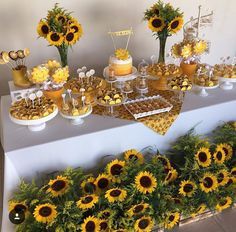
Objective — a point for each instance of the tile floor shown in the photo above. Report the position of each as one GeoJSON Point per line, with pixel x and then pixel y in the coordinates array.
{"type": "Point", "coordinates": [224, 222]}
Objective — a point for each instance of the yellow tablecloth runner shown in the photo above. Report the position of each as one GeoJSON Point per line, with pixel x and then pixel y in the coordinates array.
{"type": "Point", "coordinates": [160, 123]}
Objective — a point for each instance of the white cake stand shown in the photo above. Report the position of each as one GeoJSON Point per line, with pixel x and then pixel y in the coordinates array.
{"type": "Point", "coordinates": [77, 120]}
{"type": "Point", "coordinates": [227, 83]}
{"type": "Point", "coordinates": [36, 124]}
{"type": "Point", "coordinates": [203, 89]}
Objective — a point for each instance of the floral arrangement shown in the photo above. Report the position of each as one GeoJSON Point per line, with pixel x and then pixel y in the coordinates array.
{"type": "Point", "coordinates": [135, 192]}
{"type": "Point", "coordinates": [164, 21]}
{"type": "Point", "coordinates": [122, 54]}
{"type": "Point", "coordinates": [50, 75]}
{"type": "Point", "coordinates": [60, 29]}
{"type": "Point", "coordinates": [189, 50]}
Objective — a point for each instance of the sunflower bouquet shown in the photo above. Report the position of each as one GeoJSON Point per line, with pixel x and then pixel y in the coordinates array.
{"type": "Point", "coordinates": [132, 192]}
{"type": "Point", "coordinates": [164, 21]}
{"type": "Point", "coordinates": [60, 29]}
{"type": "Point", "coordinates": [51, 76]}
{"type": "Point", "coordinates": [189, 51]}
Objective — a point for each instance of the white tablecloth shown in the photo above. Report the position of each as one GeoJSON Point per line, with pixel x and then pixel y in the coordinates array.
{"type": "Point", "coordinates": [61, 144]}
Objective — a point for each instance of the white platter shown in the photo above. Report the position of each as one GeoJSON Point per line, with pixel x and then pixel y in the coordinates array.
{"type": "Point", "coordinates": [77, 120]}
{"type": "Point", "coordinates": [37, 124]}
{"type": "Point", "coordinates": [203, 92]}
{"type": "Point", "coordinates": [227, 83]}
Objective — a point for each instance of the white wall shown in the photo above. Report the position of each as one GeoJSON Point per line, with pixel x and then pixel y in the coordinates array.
{"type": "Point", "coordinates": [18, 22]}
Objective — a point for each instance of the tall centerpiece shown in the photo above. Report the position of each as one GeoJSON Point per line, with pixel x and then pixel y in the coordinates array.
{"type": "Point", "coordinates": [61, 30]}
{"type": "Point", "coordinates": [164, 21]}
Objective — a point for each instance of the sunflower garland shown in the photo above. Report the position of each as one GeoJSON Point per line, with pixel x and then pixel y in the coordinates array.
{"type": "Point", "coordinates": [61, 30]}
{"type": "Point", "coordinates": [203, 157]}
{"type": "Point", "coordinates": [59, 186]}
{"type": "Point", "coordinates": [208, 183]}
{"type": "Point", "coordinates": [145, 182]}
{"type": "Point", "coordinates": [45, 213]}
{"type": "Point", "coordinates": [144, 224]}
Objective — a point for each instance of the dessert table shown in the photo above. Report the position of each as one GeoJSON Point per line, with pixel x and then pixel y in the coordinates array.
{"type": "Point", "coordinates": [62, 144]}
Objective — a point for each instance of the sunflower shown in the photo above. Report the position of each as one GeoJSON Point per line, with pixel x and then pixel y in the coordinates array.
{"type": "Point", "coordinates": [201, 209]}
{"type": "Point", "coordinates": [222, 177]}
{"type": "Point", "coordinates": [137, 209]}
{"type": "Point", "coordinates": [186, 51]}
{"type": "Point", "coordinates": [200, 47]}
{"type": "Point", "coordinates": [102, 182]}
{"type": "Point", "coordinates": [171, 176]}
{"type": "Point", "coordinates": [175, 50]}
{"type": "Point", "coordinates": [175, 25]}
{"type": "Point", "coordinates": [17, 206]}
{"type": "Point", "coordinates": [164, 161]}
{"type": "Point", "coordinates": [145, 182]}
{"type": "Point", "coordinates": [115, 169]}
{"type": "Point", "coordinates": [58, 186]}
{"type": "Point", "coordinates": [203, 157]}
{"type": "Point", "coordinates": [61, 18]}
{"type": "Point", "coordinates": [103, 224]}
{"type": "Point", "coordinates": [115, 194]}
{"type": "Point", "coordinates": [224, 204]}
{"type": "Point", "coordinates": [227, 149]}
{"type": "Point", "coordinates": [233, 174]}
{"type": "Point", "coordinates": [156, 24]}
{"type": "Point", "coordinates": [43, 29]}
{"type": "Point", "coordinates": [105, 214]}
{"type": "Point", "coordinates": [219, 155]}
{"type": "Point", "coordinates": [45, 213]}
{"type": "Point", "coordinates": [133, 155]}
{"type": "Point", "coordinates": [55, 38]}
{"type": "Point", "coordinates": [87, 202]}
{"type": "Point", "coordinates": [91, 224]}
{"type": "Point", "coordinates": [70, 37]}
{"type": "Point", "coordinates": [208, 183]}
{"type": "Point", "coordinates": [171, 220]}
{"type": "Point", "coordinates": [88, 185]}
{"type": "Point", "coordinates": [144, 224]}
{"type": "Point", "coordinates": [187, 188]}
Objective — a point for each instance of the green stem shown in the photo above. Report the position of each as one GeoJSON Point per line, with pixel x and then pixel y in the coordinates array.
{"type": "Point", "coordinates": [162, 40]}
{"type": "Point", "coordinates": [63, 51]}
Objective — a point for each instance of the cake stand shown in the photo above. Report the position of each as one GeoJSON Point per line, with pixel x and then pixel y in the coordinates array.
{"type": "Point", "coordinates": [203, 92]}
{"type": "Point", "coordinates": [110, 108]}
{"type": "Point", "coordinates": [77, 120]}
{"type": "Point", "coordinates": [36, 124]}
{"type": "Point", "coordinates": [227, 83]}
{"type": "Point", "coordinates": [121, 79]}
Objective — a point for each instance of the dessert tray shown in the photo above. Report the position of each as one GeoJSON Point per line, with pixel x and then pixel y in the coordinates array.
{"type": "Point", "coordinates": [147, 106]}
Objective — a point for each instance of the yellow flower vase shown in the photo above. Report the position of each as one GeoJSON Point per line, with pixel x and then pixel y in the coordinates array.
{"type": "Point", "coordinates": [188, 69]}
{"type": "Point", "coordinates": [55, 95]}
{"type": "Point", "coordinates": [20, 78]}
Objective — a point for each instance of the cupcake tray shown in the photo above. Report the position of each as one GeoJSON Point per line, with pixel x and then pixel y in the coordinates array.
{"type": "Point", "coordinates": [147, 106]}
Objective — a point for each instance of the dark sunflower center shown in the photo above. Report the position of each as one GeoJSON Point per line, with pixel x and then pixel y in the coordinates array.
{"type": "Point", "coordinates": [220, 177]}
{"type": "Point", "coordinates": [61, 18]}
{"type": "Point", "coordinates": [163, 161]}
{"type": "Point", "coordinates": [202, 157]}
{"type": "Point", "coordinates": [156, 12]}
{"type": "Point", "coordinates": [19, 208]}
{"type": "Point", "coordinates": [171, 218]}
{"type": "Point", "coordinates": [133, 157]}
{"type": "Point", "coordinates": [175, 24]}
{"type": "Point", "coordinates": [233, 173]}
{"type": "Point", "coordinates": [87, 200]}
{"type": "Point", "coordinates": [230, 181]}
{"type": "Point", "coordinates": [55, 37]}
{"type": "Point", "coordinates": [138, 208]}
{"type": "Point", "coordinates": [103, 225]}
{"type": "Point", "coordinates": [156, 23]}
{"type": "Point", "coordinates": [89, 187]}
{"type": "Point", "coordinates": [116, 169]}
{"type": "Point", "coordinates": [115, 193]}
{"type": "Point", "coordinates": [45, 29]}
{"type": "Point", "coordinates": [225, 150]}
{"type": "Point", "coordinates": [106, 214]}
{"type": "Point", "coordinates": [188, 188]}
{"type": "Point", "coordinates": [208, 182]}
{"type": "Point", "coordinates": [145, 181]}
{"type": "Point", "coordinates": [45, 211]}
{"type": "Point", "coordinates": [90, 226]}
{"type": "Point", "coordinates": [219, 155]}
{"type": "Point", "coordinates": [143, 223]}
{"type": "Point", "coordinates": [169, 176]}
{"type": "Point", "coordinates": [75, 28]}
{"type": "Point", "coordinates": [58, 185]}
{"type": "Point", "coordinates": [222, 203]}
{"type": "Point", "coordinates": [103, 183]}
{"type": "Point", "coordinates": [70, 36]}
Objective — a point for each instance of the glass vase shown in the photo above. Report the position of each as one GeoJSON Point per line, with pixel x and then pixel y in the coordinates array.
{"type": "Point", "coordinates": [63, 51]}
{"type": "Point", "coordinates": [162, 42]}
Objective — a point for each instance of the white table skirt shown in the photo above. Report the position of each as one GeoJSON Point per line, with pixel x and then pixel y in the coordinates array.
{"type": "Point", "coordinates": [61, 144]}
